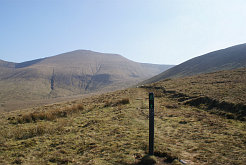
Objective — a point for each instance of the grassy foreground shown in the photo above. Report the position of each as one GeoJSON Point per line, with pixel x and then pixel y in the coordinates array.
{"type": "Point", "coordinates": [113, 129]}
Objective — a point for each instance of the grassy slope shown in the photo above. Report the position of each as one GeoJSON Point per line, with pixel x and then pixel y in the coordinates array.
{"type": "Point", "coordinates": [106, 131]}
{"type": "Point", "coordinates": [226, 86]}
{"type": "Point", "coordinates": [224, 59]}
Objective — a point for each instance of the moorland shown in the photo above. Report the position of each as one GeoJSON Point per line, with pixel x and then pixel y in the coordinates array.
{"type": "Point", "coordinates": [112, 128]}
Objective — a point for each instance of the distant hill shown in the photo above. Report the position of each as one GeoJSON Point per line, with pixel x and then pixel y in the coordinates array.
{"type": "Point", "coordinates": [225, 59]}
{"type": "Point", "coordinates": [73, 73]}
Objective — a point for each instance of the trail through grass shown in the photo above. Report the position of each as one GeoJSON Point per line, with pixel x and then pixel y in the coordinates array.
{"type": "Point", "coordinates": [109, 131]}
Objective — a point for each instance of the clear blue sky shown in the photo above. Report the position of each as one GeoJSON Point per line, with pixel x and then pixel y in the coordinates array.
{"type": "Point", "coordinates": [153, 31]}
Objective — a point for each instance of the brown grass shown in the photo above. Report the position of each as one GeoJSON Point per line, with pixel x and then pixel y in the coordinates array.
{"type": "Point", "coordinates": [47, 115]}
{"type": "Point", "coordinates": [228, 86]}
{"type": "Point", "coordinates": [21, 132]}
{"type": "Point", "coordinates": [117, 102]}
{"type": "Point", "coordinates": [221, 93]}
{"type": "Point", "coordinates": [119, 134]}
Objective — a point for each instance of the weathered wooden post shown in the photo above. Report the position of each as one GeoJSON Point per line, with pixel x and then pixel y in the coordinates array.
{"type": "Point", "coordinates": [151, 123]}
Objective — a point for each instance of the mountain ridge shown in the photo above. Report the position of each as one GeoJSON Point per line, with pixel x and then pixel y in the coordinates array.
{"type": "Point", "coordinates": [224, 59]}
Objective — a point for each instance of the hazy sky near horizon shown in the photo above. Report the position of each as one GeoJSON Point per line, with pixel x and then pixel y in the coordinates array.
{"type": "Point", "coordinates": [149, 31]}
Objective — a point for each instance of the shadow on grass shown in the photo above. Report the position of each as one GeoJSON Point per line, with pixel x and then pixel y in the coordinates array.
{"type": "Point", "coordinates": [157, 158]}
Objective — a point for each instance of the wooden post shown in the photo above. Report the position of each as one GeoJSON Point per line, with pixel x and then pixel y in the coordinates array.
{"type": "Point", "coordinates": [151, 123]}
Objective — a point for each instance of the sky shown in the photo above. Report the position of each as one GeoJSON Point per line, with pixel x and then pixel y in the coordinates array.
{"type": "Point", "coordinates": [147, 31]}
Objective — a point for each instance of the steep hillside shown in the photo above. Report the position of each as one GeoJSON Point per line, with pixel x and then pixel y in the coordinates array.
{"type": "Point", "coordinates": [69, 74]}
{"type": "Point", "coordinates": [225, 59]}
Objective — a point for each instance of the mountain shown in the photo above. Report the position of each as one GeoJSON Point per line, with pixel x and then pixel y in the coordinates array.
{"type": "Point", "coordinates": [73, 73]}
{"type": "Point", "coordinates": [224, 59]}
